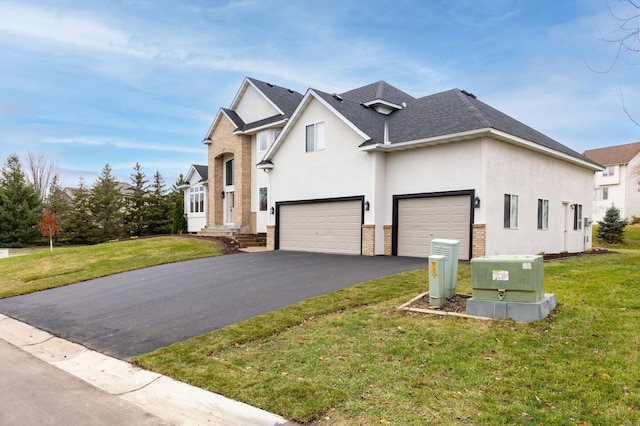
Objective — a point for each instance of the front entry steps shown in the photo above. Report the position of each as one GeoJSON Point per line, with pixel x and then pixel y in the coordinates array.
{"type": "Point", "coordinates": [219, 231]}
{"type": "Point", "coordinates": [251, 240]}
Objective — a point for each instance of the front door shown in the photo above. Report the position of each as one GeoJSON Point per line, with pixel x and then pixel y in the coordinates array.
{"type": "Point", "coordinates": [228, 207]}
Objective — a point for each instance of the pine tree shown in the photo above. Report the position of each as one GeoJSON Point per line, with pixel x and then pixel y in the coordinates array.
{"type": "Point", "coordinates": [19, 206]}
{"type": "Point", "coordinates": [611, 227]}
{"type": "Point", "coordinates": [159, 208]}
{"type": "Point", "coordinates": [107, 204]}
{"type": "Point", "coordinates": [137, 200]}
{"type": "Point", "coordinates": [77, 225]}
{"type": "Point", "coordinates": [179, 224]}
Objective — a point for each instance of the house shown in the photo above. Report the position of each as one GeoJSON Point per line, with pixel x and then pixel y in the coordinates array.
{"type": "Point", "coordinates": [619, 183]}
{"type": "Point", "coordinates": [376, 171]}
{"type": "Point", "coordinates": [195, 197]}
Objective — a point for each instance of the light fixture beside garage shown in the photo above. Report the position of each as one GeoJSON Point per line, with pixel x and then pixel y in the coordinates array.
{"type": "Point", "coordinates": [273, 210]}
{"type": "Point", "coordinates": [366, 206]}
{"type": "Point", "coordinates": [476, 202]}
{"type": "Point", "coordinates": [222, 194]}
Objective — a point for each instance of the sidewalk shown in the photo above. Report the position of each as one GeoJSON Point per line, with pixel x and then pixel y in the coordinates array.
{"type": "Point", "coordinates": [40, 381]}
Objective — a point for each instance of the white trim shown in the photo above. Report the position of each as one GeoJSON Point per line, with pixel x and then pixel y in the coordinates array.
{"type": "Point", "coordinates": [295, 116]}
{"type": "Point", "coordinates": [243, 88]}
{"type": "Point", "coordinates": [489, 132]}
{"type": "Point", "coordinates": [263, 127]}
{"type": "Point", "coordinates": [381, 102]}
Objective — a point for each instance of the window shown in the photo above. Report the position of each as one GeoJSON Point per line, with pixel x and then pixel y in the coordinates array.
{"type": "Point", "coordinates": [228, 173]}
{"type": "Point", "coordinates": [601, 193]}
{"type": "Point", "coordinates": [196, 199]}
{"type": "Point", "coordinates": [577, 216]}
{"type": "Point", "coordinates": [276, 133]}
{"type": "Point", "coordinates": [543, 214]}
{"type": "Point", "coordinates": [262, 199]}
{"type": "Point", "coordinates": [609, 171]}
{"type": "Point", "coordinates": [263, 141]}
{"type": "Point", "coordinates": [510, 211]}
{"type": "Point", "coordinates": [315, 137]}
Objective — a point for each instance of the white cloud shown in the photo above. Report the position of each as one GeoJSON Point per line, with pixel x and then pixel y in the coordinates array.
{"type": "Point", "coordinates": [110, 142]}
{"type": "Point", "coordinates": [49, 26]}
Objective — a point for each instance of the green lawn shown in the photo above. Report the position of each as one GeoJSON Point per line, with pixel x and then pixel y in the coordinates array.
{"type": "Point", "coordinates": [43, 269]}
{"type": "Point", "coordinates": [352, 357]}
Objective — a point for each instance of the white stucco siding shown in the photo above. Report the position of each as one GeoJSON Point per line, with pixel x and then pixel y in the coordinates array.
{"type": "Point", "coordinates": [252, 106]}
{"type": "Point", "coordinates": [633, 188]}
{"type": "Point", "coordinates": [338, 170]}
{"type": "Point", "coordinates": [532, 176]}
{"type": "Point", "coordinates": [449, 167]}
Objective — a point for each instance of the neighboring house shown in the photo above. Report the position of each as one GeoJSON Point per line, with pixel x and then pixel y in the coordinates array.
{"type": "Point", "coordinates": [195, 197]}
{"type": "Point", "coordinates": [619, 183]}
{"type": "Point", "coordinates": [375, 171]}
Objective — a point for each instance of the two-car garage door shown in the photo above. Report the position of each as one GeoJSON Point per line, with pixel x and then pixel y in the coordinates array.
{"type": "Point", "coordinates": [420, 220]}
{"type": "Point", "coordinates": [324, 227]}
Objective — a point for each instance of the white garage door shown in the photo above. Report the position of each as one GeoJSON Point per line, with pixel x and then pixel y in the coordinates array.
{"type": "Point", "coordinates": [420, 220]}
{"type": "Point", "coordinates": [328, 227]}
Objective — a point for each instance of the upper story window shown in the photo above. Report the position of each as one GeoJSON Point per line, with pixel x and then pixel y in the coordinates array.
{"type": "Point", "coordinates": [609, 171]}
{"type": "Point", "coordinates": [263, 141]}
{"type": "Point", "coordinates": [315, 137]}
{"type": "Point", "coordinates": [228, 173]}
{"type": "Point", "coordinates": [543, 214]}
{"type": "Point", "coordinates": [601, 193]}
{"type": "Point", "coordinates": [510, 211]}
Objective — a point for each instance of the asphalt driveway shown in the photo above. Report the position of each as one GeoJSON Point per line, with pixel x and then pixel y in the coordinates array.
{"type": "Point", "coordinates": [137, 312]}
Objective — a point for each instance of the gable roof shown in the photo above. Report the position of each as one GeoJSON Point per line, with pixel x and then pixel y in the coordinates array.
{"type": "Point", "coordinates": [614, 155]}
{"type": "Point", "coordinates": [200, 170]}
{"type": "Point", "coordinates": [442, 117]}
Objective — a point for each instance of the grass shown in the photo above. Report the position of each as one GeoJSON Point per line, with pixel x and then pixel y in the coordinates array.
{"type": "Point", "coordinates": [43, 269]}
{"type": "Point", "coordinates": [352, 358]}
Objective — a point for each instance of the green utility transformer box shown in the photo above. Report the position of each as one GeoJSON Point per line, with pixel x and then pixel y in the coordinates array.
{"type": "Point", "coordinates": [509, 278]}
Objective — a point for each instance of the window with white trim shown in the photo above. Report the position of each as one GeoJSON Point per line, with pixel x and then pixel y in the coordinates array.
{"type": "Point", "coordinates": [196, 199]}
{"type": "Point", "coordinates": [601, 193]}
{"type": "Point", "coordinates": [543, 214]}
{"type": "Point", "coordinates": [315, 137]}
{"type": "Point", "coordinates": [263, 141]}
{"type": "Point", "coordinates": [262, 199]}
{"type": "Point", "coordinates": [609, 171]}
{"type": "Point", "coordinates": [510, 211]}
{"type": "Point", "coordinates": [577, 216]}
{"type": "Point", "coordinates": [228, 173]}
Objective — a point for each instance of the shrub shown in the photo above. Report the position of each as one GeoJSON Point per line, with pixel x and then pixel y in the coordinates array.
{"type": "Point", "coordinates": [611, 227]}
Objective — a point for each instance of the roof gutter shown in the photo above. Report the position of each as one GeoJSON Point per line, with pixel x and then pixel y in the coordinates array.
{"type": "Point", "coordinates": [472, 134]}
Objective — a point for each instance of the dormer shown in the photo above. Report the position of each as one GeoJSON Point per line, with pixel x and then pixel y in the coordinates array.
{"type": "Point", "coordinates": [383, 107]}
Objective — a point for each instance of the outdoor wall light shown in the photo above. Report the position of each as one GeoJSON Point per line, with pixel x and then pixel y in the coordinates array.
{"type": "Point", "coordinates": [476, 202]}
{"type": "Point", "coordinates": [366, 205]}
{"type": "Point", "coordinates": [222, 194]}
{"type": "Point", "coordinates": [273, 210]}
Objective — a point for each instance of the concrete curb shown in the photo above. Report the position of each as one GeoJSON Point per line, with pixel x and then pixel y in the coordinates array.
{"type": "Point", "coordinates": [168, 399]}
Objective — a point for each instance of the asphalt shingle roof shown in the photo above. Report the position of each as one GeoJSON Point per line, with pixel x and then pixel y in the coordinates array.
{"type": "Point", "coordinates": [203, 171]}
{"type": "Point", "coordinates": [614, 155]}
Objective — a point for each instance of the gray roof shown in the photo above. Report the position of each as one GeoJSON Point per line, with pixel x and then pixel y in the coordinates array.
{"type": "Point", "coordinates": [441, 114]}
{"type": "Point", "coordinates": [203, 171]}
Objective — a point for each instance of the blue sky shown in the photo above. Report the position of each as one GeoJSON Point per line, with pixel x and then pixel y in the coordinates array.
{"type": "Point", "coordinates": [93, 82]}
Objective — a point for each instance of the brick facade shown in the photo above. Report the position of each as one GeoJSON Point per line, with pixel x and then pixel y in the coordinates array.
{"type": "Point", "coordinates": [271, 237]}
{"type": "Point", "coordinates": [387, 240]}
{"type": "Point", "coordinates": [224, 142]}
{"type": "Point", "coordinates": [479, 238]}
{"type": "Point", "coordinates": [368, 240]}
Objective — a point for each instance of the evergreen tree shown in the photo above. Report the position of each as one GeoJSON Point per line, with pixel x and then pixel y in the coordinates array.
{"type": "Point", "coordinates": [611, 227]}
{"type": "Point", "coordinates": [179, 224]}
{"type": "Point", "coordinates": [136, 214]}
{"type": "Point", "coordinates": [107, 202]}
{"type": "Point", "coordinates": [159, 208]}
{"type": "Point", "coordinates": [77, 225]}
{"type": "Point", "coordinates": [19, 206]}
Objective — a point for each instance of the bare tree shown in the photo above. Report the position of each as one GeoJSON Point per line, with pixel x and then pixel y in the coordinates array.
{"type": "Point", "coordinates": [41, 170]}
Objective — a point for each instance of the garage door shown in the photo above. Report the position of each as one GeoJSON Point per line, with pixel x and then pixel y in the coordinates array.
{"type": "Point", "coordinates": [420, 220]}
{"type": "Point", "coordinates": [325, 227]}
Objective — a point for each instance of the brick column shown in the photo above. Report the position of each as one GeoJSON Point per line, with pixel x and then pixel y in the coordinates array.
{"type": "Point", "coordinates": [479, 240]}
{"type": "Point", "coordinates": [271, 237]}
{"type": "Point", "coordinates": [368, 240]}
{"type": "Point", "coordinates": [387, 240]}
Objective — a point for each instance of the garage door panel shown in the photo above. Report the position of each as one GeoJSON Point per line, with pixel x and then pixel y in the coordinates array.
{"type": "Point", "coordinates": [326, 227]}
{"type": "Point", "coordinates": [420, 220]}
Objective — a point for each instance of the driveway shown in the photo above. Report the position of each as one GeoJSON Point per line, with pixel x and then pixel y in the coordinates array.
{"type": "Point", "coordinates": [136, 312]}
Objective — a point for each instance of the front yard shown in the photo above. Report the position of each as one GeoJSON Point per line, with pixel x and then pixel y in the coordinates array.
{"type": "Point", "coordinates": [351, 357]}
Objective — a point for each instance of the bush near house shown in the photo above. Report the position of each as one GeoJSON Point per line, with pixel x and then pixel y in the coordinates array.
{"type": "Point", "coordinates": [611, 227]}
